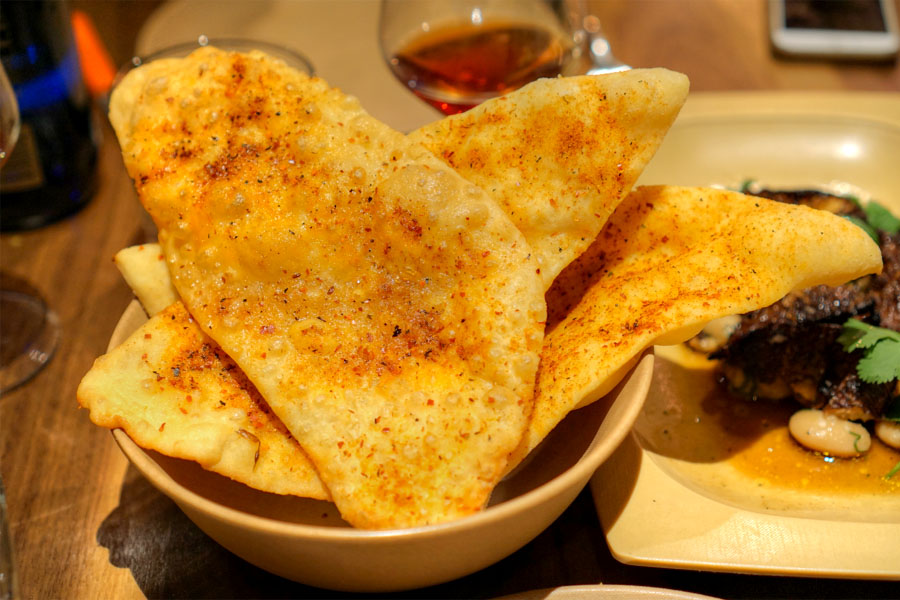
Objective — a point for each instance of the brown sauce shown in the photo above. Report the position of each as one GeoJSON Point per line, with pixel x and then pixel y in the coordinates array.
{"type": "Point", "coordinates": [778, 459]}
{"type": "Point", "coordinates": [689, 416]}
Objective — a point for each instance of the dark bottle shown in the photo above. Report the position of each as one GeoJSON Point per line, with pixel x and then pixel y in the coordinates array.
{"type": "Point", "coordinates": [51, 172]}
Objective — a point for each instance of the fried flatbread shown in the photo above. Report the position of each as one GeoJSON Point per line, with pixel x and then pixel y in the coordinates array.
{"type": "Point", "coordinates": [560, 154]}
{"type": "Point", "coordinates": [387, 309]}
{"type": "Point", "coordinates": [173, 390]}
{"type": "Point", "coordinates": [669, 260]}
{"type": "Point", "coordinates": [118, 394]}
{"type": "Point", "coordinates": [145, 271]}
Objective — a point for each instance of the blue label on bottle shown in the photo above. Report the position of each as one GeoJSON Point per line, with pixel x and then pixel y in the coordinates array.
{"type": "Point", "coordinates": [51, 87]}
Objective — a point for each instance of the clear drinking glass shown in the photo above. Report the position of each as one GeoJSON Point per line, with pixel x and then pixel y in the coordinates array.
{"type": "Point", "coordinates": [290, 57]}
{"type": "Point", "coordinates": [455, 54]}
{"type": "Point", "coordinates": [29, 330]}
{"type": "Point", "coordinates": [9, 134]}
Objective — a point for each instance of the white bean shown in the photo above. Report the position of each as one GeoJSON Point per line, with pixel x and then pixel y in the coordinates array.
{"type": "Point", "coordinates": [830, 434]}
{"type": "Point", "coordinates": [888, 432]}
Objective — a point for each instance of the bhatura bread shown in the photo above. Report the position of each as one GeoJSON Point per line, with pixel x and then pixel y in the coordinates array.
{"type": "Point", "coordinates": [670, 260]}
{"type": "Point", "coordinates": [184, 397]}
{"type": "Point", "coordinates": [387, 309]}
{"type": "Point", "coordinates": [173, 390]}
{"type": "Point", "coordinates": [560, 154]}
{"type": "Point", "coordinates": [144, 269]}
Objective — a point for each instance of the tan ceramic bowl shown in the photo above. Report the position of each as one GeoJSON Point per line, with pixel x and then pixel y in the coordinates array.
{"type": "Point", "coordinates": [306, 540]}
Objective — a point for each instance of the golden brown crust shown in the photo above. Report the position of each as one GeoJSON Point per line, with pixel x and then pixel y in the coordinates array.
{"type": "Point", "coordinates": [387, 309]}
{"type": "Point", "coordinates": [560, 154]}
{"type": "Point", "coordinates": [174, 390]}
{"type": "Point", "coordinates": [669, 260]}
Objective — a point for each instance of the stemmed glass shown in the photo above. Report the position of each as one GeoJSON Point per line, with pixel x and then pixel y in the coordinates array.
{"type": "Point", "coordinates": [9, 135]}
{"type": "Point", "coordinates": [29, 330]}
{"type": "Point", "coordinates": [455, 54]}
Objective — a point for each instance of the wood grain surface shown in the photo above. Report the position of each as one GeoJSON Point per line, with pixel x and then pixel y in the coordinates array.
{"type": "Point", "coordinates": [84, 524]}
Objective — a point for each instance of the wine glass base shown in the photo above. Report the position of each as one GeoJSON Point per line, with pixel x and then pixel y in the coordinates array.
{"type": "Point", "coordinates": [29, 334]}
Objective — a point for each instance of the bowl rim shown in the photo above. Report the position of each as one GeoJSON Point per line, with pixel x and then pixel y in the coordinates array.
{"type": "Point", "coordinates": [596, 452]}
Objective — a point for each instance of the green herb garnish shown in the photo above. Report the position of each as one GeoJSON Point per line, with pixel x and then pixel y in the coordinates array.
{"type": "Point", "coordinates": [877, 217]}
{"type": "Point", "coordinates": [881, 218]}
{"type": "Point", "coordinates": [856, 438]}
{"type": "Point", "coordinates": [881, 360]}
{"type": "Point", "coordinates": [893, 471]}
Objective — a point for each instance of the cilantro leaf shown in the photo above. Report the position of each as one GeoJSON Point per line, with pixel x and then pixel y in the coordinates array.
{"type": "Point", "coordinates": [881, 360]}
{"type": "Point", "coordinates": [881, 218]}
{"type": "Point", "coordinates": [858, 334]}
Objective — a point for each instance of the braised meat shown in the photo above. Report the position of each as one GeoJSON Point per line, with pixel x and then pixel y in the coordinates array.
{"type": "Point", "coordinates": [886, 287]}
{"type": "Point", "coordinates": [790, 349]}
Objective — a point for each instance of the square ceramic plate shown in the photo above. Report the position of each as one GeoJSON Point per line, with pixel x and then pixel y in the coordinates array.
{"type": "Point", "coordinates": [677, 510]}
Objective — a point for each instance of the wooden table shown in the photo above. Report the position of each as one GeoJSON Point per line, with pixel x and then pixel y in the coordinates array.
{"type": "Point", "coordinates": [84, 524]}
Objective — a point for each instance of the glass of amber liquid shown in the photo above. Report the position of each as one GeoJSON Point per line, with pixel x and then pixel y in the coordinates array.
{"type": "Point", "coordinates": [455, 54]}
